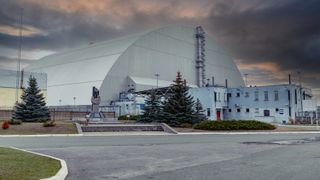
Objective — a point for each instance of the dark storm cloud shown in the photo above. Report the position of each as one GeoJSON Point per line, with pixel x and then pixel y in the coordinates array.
{"type": "Point", "coordinates": [11, 63]}
{"type": "Point", "coordinates": [287, 34]}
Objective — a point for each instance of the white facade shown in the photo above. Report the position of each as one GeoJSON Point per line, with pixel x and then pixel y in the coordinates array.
{"type": "Point", "coordinates": [275, 103]}
{"type": "Point", "coordinates": [131, 63]}
{"type": "Point", "coordinates": [213, 100]}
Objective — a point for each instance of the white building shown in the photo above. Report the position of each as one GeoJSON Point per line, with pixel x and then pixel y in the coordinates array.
{"type": "Point", "coordinates": [275, 103]}
{"type": "Point", "coordinates": [213, 101]}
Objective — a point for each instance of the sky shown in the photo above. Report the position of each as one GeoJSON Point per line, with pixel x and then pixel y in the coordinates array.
{"type": "Point", "coordinates": [268, 39]}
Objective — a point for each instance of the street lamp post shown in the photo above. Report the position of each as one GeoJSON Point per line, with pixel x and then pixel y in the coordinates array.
{"type": "Point", "coordinates": [157, 75]}
{"type": "Point", "coordinates": [74, 101]}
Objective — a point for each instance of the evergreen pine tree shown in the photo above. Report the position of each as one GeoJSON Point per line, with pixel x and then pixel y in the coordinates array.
{"type": "Point", "coordinates": [33, 105]}
{"type": "Point", "coordinates": [199, 112]}
{"type": "Point", "coordinates": [152, 108]}
{"type": "Point", "coordinates": [179, 107]}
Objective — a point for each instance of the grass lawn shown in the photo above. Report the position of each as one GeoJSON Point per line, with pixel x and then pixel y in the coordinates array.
{"type": "Point", "coordinates": [61, 127]}
{"type": "Point", "coordinates": [15, 164]}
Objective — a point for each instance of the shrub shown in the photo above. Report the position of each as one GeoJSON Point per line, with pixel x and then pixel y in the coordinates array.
{"type": "Point", "coordinates": [234, 125]}
{"type": "Point", "coordinates": [129, 117]}
{"type": "Point", "coordinates": [15, 122]}
{"type": "Point", "coordinates": [186, 125]}
{"type": "Point", "coordinates": [49, 123]}
{"type": "Point", "coordinates": [5, 125]}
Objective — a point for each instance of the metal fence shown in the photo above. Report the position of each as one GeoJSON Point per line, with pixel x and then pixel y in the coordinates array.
{"type": "Point", "coordinates": [67, 112]}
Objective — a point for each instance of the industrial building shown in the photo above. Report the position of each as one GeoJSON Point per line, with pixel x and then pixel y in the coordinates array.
{"type": "Point", "coordinates": [125, 69]}
{"type": "Point", "coordinates": [273, 104]}
{"type": "Point", "coordinates": [135, 63]}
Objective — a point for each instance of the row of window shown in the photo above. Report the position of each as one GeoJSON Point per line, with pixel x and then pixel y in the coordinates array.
{"type": "Point", "coordinates": [217, 96]}
{"type": "Point", "coordinates": [256, 95]}
{"type": "Point", "coordinates": [256, 110]}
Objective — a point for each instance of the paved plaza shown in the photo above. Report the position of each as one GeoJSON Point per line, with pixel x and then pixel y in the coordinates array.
{"type": "Point", "coordinates": [260, 156]}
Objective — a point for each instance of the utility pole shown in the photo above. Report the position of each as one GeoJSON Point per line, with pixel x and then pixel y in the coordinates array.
{"type": "Point", "coordinates": [300, 89]}
{"type": "Point", "coordinates": [19, 56]}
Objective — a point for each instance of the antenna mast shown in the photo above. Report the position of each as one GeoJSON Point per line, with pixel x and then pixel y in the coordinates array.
{"type": "Point", "coordinates": [19, 56]}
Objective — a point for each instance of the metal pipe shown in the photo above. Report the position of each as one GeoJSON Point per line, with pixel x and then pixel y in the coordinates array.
{"type": "Point", "coordinates": [289, 79]}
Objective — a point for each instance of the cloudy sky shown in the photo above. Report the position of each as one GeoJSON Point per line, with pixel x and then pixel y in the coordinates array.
{"type": "Point", "coordinates": [267, 38]}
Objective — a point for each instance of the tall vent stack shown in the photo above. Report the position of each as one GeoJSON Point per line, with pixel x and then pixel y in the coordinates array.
{"type": "Point", "coordinates": [200, 57]}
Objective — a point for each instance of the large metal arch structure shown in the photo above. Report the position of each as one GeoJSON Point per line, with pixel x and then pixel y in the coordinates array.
{"type": "Point", "coordinates": [131, 62]}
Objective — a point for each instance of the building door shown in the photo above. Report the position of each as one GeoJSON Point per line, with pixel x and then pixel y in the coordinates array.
{"type": "Point", "coordinates": [218, 115]}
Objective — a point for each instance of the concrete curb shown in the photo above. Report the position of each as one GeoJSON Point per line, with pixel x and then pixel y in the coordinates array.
{"type": "Point", "coordinates": [168, 129]}
{"type": "Point", "coordinates": [42, 135]}
{"type": "Point", "coordinates": [61, 174]}
{"type": "Point", "coordinates": [79, 129]}
{"type": "Point", "coordinates": [171, 134]}
{"type": "Point", "coordinates": [247, 133]}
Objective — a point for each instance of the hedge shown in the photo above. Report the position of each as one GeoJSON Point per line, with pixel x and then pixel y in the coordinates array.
{"type": "Point", "coordinates": [130, 117]}
{"type": "Point", "coordinates": [234, 125]}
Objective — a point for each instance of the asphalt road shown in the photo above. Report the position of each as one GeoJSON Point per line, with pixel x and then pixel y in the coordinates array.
{"type": "Point", "coordinates": [182, 156]}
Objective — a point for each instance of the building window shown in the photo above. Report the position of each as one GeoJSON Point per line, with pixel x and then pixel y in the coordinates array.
{"type": "Point", "coordinates": [238, 94]}
{"type": "Point", "coordinates": [256, 110]}
{"type": "Point", "coordinates": [246, 94]}
{"type": "Point", "coordinates": [228, 96]}
{"type": "Point", "coordinates": [266, 113]}
{"type": "Point", "coordinates": [276, 95]}
{"type": "Point", "coordinates": [215, 97]}
{"type": "Point", "coordinates": [238, 110]}
{"type": "Point", "coordinates": [266, 96]}
{"type": "Point", "coordinates": [208, 112]}
{"type": "Point", "coordinates": [247, 110]}
{"type": "Point", "coordinates": [230, 110]}
{"type": "Point", "coordinates": [218, 96]}
{"type": "Point", "coordinates": [256, 95]}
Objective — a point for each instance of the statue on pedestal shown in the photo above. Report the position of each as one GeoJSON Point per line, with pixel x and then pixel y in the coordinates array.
{"type": "Point", "coordinates": [95, 100]}
{"type": "Point", "coordinates": [95, 114]}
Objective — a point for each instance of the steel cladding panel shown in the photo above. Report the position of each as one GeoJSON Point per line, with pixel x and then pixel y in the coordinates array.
{"type": "Point", "coordinates": [109, 64]}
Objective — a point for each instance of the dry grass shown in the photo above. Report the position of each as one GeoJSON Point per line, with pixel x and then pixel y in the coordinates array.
{"type": "Point", "coordinates": [61, 127]}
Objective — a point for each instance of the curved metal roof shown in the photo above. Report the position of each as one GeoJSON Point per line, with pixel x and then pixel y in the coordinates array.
{"type": "Point", "coordinates": [108, 65]}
